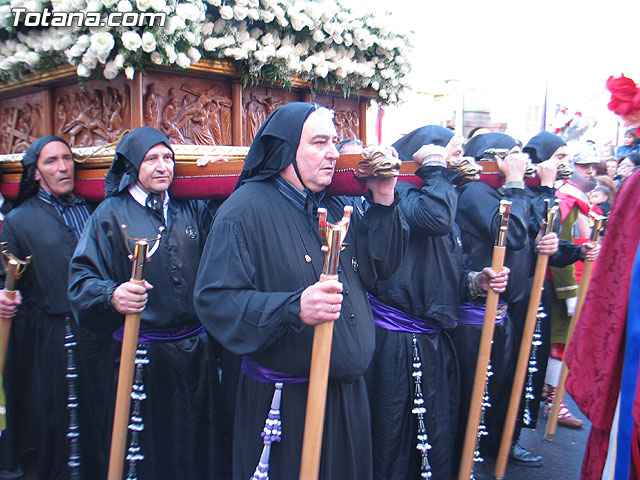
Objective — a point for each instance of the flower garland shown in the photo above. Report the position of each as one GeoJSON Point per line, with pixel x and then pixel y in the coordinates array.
{"type": "Point", "coordinates": [320, 41]}
{"type": "Point", "coordinates": [625, 101]}
{"type": "Point", "coordinates": [570, 125]}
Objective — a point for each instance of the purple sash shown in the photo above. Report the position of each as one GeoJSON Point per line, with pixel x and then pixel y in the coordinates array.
{"type": "Point", "coordinates": [262, 374]}
{"type": "Point", "coordinates": [149, 336]}
{"type": "Point", "coordinates": [470, 314]}
{"type": "Point", "coordinates": [396, 320]}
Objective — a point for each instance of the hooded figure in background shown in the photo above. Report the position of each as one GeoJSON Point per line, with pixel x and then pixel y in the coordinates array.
{"type": "Point", "coordinates": [414, 360]}
{"type": "Point", "coordinates": [46, 224]}
{"type": "Point", "coordinates": [258, 294]}
{"type": "Point", "coordinates": [182, 411]}
{"type": "Point", "coordinates": [477, 217]}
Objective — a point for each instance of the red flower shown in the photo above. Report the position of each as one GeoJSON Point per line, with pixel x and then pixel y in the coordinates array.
{"type": "Point", "coordinates": [625, 96]}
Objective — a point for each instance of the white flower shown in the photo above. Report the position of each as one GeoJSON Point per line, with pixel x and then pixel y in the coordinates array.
{"type": "Point", "coordinates": [210, 44]}
{"type": "Point", "coordinates": [318, 36]}
{"type": "Point", "coordinates": [240, 12]}
{"type": "Point", "coordinates": [253, 14]}
{"type": "Point", "coordinates": [267, 16]}
{"type": "Point", "coordinates": [143, 5]}
{"type": "Point", "coordinates": [32, 58]}
{"type": "Point", "coordinates": [375, 85]}
{"type": "Point", "coordinates": [83, 41]}
{"type": "Point", "coordinates": [215, 3]}
{"type": "Point", "coordinates": [171, 53]}
{"type": "Point", "coordinates": [131, 40]}
{"type": "Point", "coordinates": [226, 12]}
{"type": "Point", "coordinates": [219, 25]}
{"type": "Point", "coordinates": [190, 37]}
{"type": "Point", "coordinates": [182, 60]}
{"type": "Point", "coordinates": [77, 4]}
{"type": "Point", "coordinates": [83, 71]}
{"type": "Point", "coordinates": [268, 3]}
{"type": "Point", "coordinates": [90, 59]}
{"type": "Point", "coordinates": [254, 3]}
{"type": "Point", "coordinates": [194, 54]}
{"type": "Point", "coordinates": [124, 6]}
{"type": "Point", "coordinates": [101, 45]}
{"type": "Point", "coordinates": [174, 23]}
{"type": "Point", "coordinates": [156, 58]}
{"type": "Point", "coordinates": [207, 28]}
{"type": "Point", "coordinates": [129, 72]}
{"type": "Point", "coordinates": [148, 42]}
{"type": "Point", "coordinates": [243, 36]}
{"type": "Point", "coordinates": [110, 70]}
{"type": "Point", "coordinates": [322, 70]}
{"type": "Point", "coordinates": [242, 3]}
{"type": "Point", "coordinates": [108, 3]}
{"type": "Point", "coordinates": [119, 61]}
{"type": "Point", "coordinates": [299, 21]}
{"type": "Point", "coordinates": [75, 51]}
{"type": "Point", "coordinates": [188, 11]}
{"type": "Point", "coordinates": [94, 6]}
{"type": "Point", "coordinates": [159, 5]}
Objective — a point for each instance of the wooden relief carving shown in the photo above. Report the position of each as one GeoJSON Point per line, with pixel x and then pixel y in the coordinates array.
{"type": "Point", "coordinates": [19, 127]}
{"type": "Point", "coordinates": [94, 118]}
{"type": "Point", "coordinates": [257, 107]}
{"type": "Point", "coordinates": [189, 114]}
{"type": "Point", "coordinates": [347, 124]}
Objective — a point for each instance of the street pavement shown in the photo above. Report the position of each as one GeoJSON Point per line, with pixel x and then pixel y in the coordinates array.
{"type": "Point", "coordinates": [562, 457]}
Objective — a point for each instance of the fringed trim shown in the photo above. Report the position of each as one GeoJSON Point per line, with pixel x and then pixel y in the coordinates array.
{"type": "Point", "coordinates": [419, 410]}
{"type": "Point", "coordinates": [73, 434]}
{"type": "Point", "coordinates": [272, 432]}
{"type": "Point", "coordinates": [136, 425]}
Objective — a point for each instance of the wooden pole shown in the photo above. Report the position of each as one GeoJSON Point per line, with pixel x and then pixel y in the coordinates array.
{"type": "Point", "coordinates": [10, 293]}
{"type": "Point", "coordinates": [484, 355]}
{"type": "Point", "coordinates": [317, 397]}
{"type": "Point", "coordinates": [332, 236]}
{"type": "Point", "coordinates": [552, 421]}
{"type": "Point", "coordinates": [125, 374]}
{"type": "Point", "coordinates": [525, 351]}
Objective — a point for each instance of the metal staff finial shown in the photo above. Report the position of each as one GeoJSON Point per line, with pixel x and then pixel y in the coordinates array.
{"type": "Point", "coordinates": [141, 253]}
{"type": "Point", "coordinates": [13, 267]}
{"type": "Point", "coordinates": [551, 214]}
{"type": "Point", "coordinates": [332, 237]}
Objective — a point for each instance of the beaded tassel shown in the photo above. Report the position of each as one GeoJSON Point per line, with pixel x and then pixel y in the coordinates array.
{"type": "Point", "coordinates": [419, 410]}
{"type": "Point", "coordinates": [482, 428]}
{"type": "Point", "coordinates": [73, 435]}
{"type": "Point", "coordinates": [533, 365]}
{"type": "Point", "coordinates": [136, 425]}
{"type": "Point", "coordinates": [272, 432]}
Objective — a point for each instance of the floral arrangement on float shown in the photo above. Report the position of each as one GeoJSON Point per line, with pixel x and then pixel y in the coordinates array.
{"type": "Point", "coordinates": [571, 124]}
{"type": "Point", "coordinates": [625, 100]}
{"type": "Point", "coordinates": [273, 41]}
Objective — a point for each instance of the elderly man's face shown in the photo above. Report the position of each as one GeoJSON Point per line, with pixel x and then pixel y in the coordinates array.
{"type": "Point", "coordinates": [317, 155]}
{"type": "Point", "coordinates": [156, 170]}
{"type": "Point", "coordinates": [54, 170]}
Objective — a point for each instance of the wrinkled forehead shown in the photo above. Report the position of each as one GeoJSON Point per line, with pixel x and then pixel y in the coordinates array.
{"type": "Point", "coordinates": [53, 149]}
{"type": "Point", "coordinates": [319, 122]}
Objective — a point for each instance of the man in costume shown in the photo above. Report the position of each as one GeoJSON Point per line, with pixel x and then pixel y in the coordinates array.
{"type": "Point", "coordinates": [258, 294]}
{"type": "Point", "coordinates": [413, 378]}
{"type": "Point", "coordinates": [575, 228]}
{"type": "Point", "coordinates": [604, 352]}
{"type": "Point", "coordinates": [179, 361]}
{"type": "Point", "coordinates": [46, 223]}
{"type": "Point", "coordinates": [477, 213]}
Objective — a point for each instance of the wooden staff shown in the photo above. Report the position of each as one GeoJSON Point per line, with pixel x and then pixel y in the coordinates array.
{"type": "Point", "coordinates": [484, 350]}
{"type": "Point", "coordinates": [525, 349]}
{"type": "Point", "coordinates": [14, 268]}
{"type": "Point", "coordinates": [140, 255]}
{"type": "Point", "coordinates": [552, 421]}
{"type": "Point", "coordinates": [333, 236]}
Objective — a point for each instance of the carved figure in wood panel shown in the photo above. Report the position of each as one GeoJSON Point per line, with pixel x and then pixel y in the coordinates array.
{"type": "Point", "coordinates": [347, 124]}
{"type": "Point", "coordinates": [19, 127]}
{"type": "Point", "coordinates": [193, 117]}
{"type": "Point", "coordinates": [91, 119]}
{"type": "Point", "coordinates": [256, 110]}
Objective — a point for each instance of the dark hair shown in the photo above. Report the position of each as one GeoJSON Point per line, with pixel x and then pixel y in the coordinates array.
{"type": "Point", "coordinates": [634, 157]}
{"type": "Point", "coordinates": [348, 141]}
{"type": "Point", "coordinates": [632, 132]}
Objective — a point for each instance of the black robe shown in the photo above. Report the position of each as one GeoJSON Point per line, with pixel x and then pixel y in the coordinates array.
{"type": "Point", "coordinates": [477, 217]}
{"type": "Point", "coordinates": [183, 435]}
{"type": "Point", "coordinates": [429, 284]}
{"type": "Point", "coordinates": [253, 270]}
{"type": "Point", "coordinates": [37, 391]}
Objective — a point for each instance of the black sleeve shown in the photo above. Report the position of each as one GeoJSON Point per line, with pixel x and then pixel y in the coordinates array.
{"type": "Point", "coordinates": [568, 253]}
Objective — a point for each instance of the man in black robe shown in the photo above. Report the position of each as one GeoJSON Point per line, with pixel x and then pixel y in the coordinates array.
{"type": "Point", "coordinates": [182, 434]}
{"type": "Point", "coordinates": [46, 224]}
{"type": "Point", "coordinates": [257, 292]}
{"type": "Point", "coordinates": [477, 217]}
{"type": "Point", "coordinates": [413, 378]}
